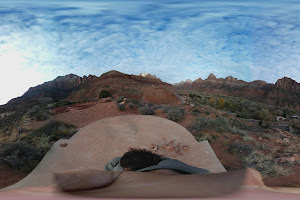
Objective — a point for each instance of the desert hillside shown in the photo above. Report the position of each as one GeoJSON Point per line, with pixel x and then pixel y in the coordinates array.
{"type": "Point", "coordinates": [240, 120]}
{"type": "Point", "coordinates": [284, 93]}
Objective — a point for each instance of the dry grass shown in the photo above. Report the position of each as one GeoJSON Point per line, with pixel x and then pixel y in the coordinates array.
{"type": "Point", "coordinates": [265, 164]}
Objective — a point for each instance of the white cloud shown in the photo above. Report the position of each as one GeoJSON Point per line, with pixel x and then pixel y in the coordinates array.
{"type": "Point", "coordinates": [187, 40]}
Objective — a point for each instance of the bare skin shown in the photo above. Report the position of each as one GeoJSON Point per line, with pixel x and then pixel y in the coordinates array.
{"type": "Point", "coordinates": [87, 179]}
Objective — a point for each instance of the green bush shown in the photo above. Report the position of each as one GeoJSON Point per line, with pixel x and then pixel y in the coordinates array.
{"type": "Point", "coordinates": [146, 111]}
{"type": "Point", "coordinates": [104, 94]}
{"type": "Point", "coordinates": [121, 107]}
{"type": "Point", "coordinates": [20, 155]}
{"type": "Point", "coordinates": [175, 114]}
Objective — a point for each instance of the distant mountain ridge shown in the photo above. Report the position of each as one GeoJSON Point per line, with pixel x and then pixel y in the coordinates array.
{"type": "Point", "coordinates": [147, 87]}
{"type": "Point", "coordinates": [74, 88]}
{"type": "Point", "coordinates": [285, 92]}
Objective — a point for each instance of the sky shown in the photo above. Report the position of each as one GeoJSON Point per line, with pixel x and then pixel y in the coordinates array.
{"type": "Point", "coordinates": [173, 39]}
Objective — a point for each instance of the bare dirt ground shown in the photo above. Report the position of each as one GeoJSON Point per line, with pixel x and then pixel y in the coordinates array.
{"type": "Point", "coordinates": [82, 115]}
{"type": "Point", "coordinates": [9, 176]}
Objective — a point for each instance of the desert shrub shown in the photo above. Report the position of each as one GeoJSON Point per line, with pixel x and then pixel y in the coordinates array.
{"type": "Point", "coordinates": [182, 110]}
{"type": "Point", "coordinates": [238, 131]}
{"type": "Point", "coordinates": [42, 115]}
{"type": "Point", "coordinates": [265, 164]}
{"type": "Point", "coordinates": [212, 101]}
{"type": "Point", "coordinates": [155, 107]}
{"type": "Point", "coordinates": [195, 111]}
{"type": "Point", "coordinates": [54, 129]}
{"type": "Point", "coordinates": [202, 137]}
{"type": "Point", "coordinates": [39, 113]}
{"type": "Point", "coordinates": [136, 104]}
{"type": "Point", "coordinates": [131, 106]}
{"type": "Point", "coordinates": [62, 103]}
{"type": "Point", "coordinates": [119, 99]}
{"type": "Point", "coordinates": [221, 124]}
{"type": "Point", "coordinates": [104, 94]}
{"type": "Point", "coordinates": [207, 112]}
{"type": "Point", "coordinates": [146, 111]}
{"type": "Point", "coordinates": [266, 136]}
{"type": "Point", "coordinates": [42, 142]}
{"type": "Point", "coordinates": [221, 103]}
{"type": "Point", "coordinates": [121, 107]}
{"type": "Point", "coordinates": [247, 138]}
{"type": "Point", "coordinates": [239, 147]}
{"type": "Point", "coordinates": [261, 146]}
{"type": "Point", "coordinates": [150, 104]}
{"type": "Point", "coordinates": [201, 123]}
{"type": "Point", "coordinates": [20, 155]}
{"type": "Point", "coordinates": [165, 109]}
{"type": "Point", "coordinates": [240, 123]}
{"type": "Point", "coordinates": [175, 114]}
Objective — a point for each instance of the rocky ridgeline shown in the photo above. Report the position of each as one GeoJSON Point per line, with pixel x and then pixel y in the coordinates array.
{"type": "Point", "coordinates": [285, 92]}
{"type": "Point", "coordinates": [229, 80]}
{"type": "Point", "coordinates": [74, 88]}
{"type": "Point", "coordinates": [63, 83]}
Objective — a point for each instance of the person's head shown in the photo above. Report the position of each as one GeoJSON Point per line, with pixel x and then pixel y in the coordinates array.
{"type": "Point", "coordinates": [136, 159]}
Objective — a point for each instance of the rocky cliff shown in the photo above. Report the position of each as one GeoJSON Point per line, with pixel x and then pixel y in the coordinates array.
{"type": "Point", "coordinates": [286, 91]}
{"type": "Point", "coordinates": [288, 84]}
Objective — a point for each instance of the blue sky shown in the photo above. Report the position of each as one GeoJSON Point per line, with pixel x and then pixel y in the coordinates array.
{"type": "Point", "coordinates": [175, 40]}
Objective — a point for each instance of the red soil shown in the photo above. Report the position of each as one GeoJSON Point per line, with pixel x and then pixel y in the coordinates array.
{"type": "Point", "coordinates": [9, 176]}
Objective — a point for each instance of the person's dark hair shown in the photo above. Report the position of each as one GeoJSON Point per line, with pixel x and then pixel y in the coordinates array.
{"type": "Point", "coordinates": [136, 159]}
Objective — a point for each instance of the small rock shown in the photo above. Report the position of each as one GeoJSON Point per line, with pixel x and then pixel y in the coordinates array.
{"type": "Point", "coordinates": [154, 147]}
{"type": "Point", "coordinates": [286, 140]}
{"type": "Point", "coordinates": [104, 100]}
{"type": "Point", "coordinates": [168, 147]}
{"type": "Point", "coordinates": [185, 148]}
{"type": "Point", "coordinates": [63, 144]}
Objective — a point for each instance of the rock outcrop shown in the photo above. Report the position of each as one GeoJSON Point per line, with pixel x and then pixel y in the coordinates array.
{"type": "Point", "coordinates": [288, 84]}
{"type": "Point", "coordinates": [147, 75]}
